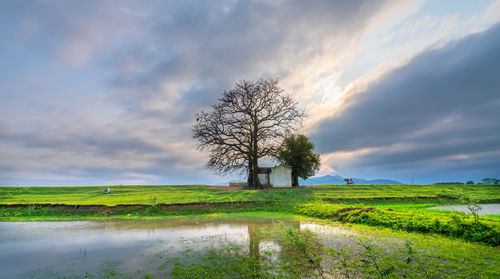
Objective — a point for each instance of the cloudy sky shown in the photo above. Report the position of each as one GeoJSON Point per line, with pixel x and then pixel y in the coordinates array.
{"type": "Point", "coordinates": [104, 92]}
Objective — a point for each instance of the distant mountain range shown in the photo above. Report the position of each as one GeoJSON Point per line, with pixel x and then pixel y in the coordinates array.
{"type": "Point", "coordinates": [337, 179]}
{"type": "Point", "coordinates": [328, 179]}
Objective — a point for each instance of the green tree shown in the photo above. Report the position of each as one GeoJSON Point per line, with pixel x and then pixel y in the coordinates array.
{"type": "Point", "coordinates": [488, 180]}
{"type": "Point", "coordinates": [297, 154]}
{"type": "Point", "coordinates": [470, 182]}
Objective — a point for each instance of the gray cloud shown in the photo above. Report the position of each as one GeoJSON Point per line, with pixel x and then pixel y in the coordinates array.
{"type": "Point", "coordinates": [100, 143]}
{"type": "Point", "coordinates": [208, 46]}
{"type": "Point", "coordinates": [440, 113]}
{"type": "Point", "coordinates": [106, 91]}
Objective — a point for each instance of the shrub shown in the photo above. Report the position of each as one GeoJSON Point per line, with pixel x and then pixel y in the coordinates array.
{"type": "Point", "coordinates": [415, 221]}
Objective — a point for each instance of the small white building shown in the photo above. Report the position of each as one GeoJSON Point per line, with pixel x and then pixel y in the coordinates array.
{"type": "Point", "coordinates": [278, 176]}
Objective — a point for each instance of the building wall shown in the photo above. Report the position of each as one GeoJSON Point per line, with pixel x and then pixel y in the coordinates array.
{"type": "Point", "coordinates": [281, 176]}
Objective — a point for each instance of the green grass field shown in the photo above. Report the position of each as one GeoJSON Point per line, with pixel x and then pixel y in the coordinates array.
{"type": "Point", "coordinates": [145, 194]}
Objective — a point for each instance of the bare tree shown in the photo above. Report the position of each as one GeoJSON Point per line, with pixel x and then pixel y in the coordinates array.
{"type": "Point", "coordinates": [248, 123]}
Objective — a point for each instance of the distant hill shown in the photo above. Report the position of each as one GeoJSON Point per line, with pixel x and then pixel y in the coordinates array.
{"type": "Point", "coordinates": [337, 179]}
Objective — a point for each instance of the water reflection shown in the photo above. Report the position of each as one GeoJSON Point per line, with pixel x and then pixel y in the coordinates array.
{"type": "Point", "coordinates": [261, 241]}
{"type": "Point", "coordinates": [492, 208]}
{"type": "Point", "coordinates": [53, 249]}
{"type": "Point", "coordinates": [132, 249]}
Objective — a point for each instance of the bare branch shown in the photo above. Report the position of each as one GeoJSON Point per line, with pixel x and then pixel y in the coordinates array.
{"type": "Point", "coordinates": [248, 123]}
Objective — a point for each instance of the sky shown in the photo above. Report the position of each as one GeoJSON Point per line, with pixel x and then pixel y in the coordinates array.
{"type": "Point", "coordinates": [105, 92]}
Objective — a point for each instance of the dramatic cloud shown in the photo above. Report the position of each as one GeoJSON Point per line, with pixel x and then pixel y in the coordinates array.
{"type": "Point", "coordinates": [104, 92]}
{"type": "Point", "coordinates": [438, 115]}
{"type": "Point", "coordinates": [108, 90]}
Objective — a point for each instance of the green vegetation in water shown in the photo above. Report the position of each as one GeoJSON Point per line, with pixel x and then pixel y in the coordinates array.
{"type": "Point", "coordinates": [455, 224]}
{"type": "Point", "coordinates": [306, 254]}
{"type": "Point", "coordinates": [315, 248]}
{"type": "Point", "coordinates": [227, 262]}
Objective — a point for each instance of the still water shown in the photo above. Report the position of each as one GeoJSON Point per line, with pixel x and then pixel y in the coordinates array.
{"type": "Point", "coordinates": [156, 248]}
{"type": "Point", "coordinates": [491, 208]}
{"type": "Point", "coordinates": [129, 249]}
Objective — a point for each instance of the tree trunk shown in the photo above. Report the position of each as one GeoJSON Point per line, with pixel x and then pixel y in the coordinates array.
{"type": "Point", "coordinates": [250, 175]}
{"type": "Point", "coordinates": [295, 179]}
{"type": "Point", "coordinates": [256, 181]}
{"type": "Point", "coordinates": [255, 160]}
{"type": "Point", "coordinates": [253, 175]}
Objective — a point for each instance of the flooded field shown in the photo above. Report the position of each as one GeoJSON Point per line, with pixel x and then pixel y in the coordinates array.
{"type": "Point", "coordinates": [486, 209]}
{"type": "Point", "coordinates": [224, 247]}
{"type": "Point", "coordinates": [115, 248]}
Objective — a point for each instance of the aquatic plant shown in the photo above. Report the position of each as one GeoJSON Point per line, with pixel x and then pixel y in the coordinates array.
{"type": "Point", "coordinates": [412, 258]}
{"type": "Point", "coordinates": [472, 204]}
{"type": "Point", "coordinates": [294, 237]}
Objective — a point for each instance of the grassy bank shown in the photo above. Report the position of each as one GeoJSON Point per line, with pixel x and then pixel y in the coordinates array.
{"type": "Point", "coordinates": [455, 225]}
{"type": "Point", "coordinates": [65, 212]}
{"type": "Point", "coordinates": [147, 194]}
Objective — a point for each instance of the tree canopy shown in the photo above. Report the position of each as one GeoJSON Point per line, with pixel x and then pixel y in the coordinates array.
{"type": "Point", "coordinates": [488, 180]}
{"type": "Point", "coordinates": [249, 122]}
{"type": "Point", "coordinates": [297, 154]}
